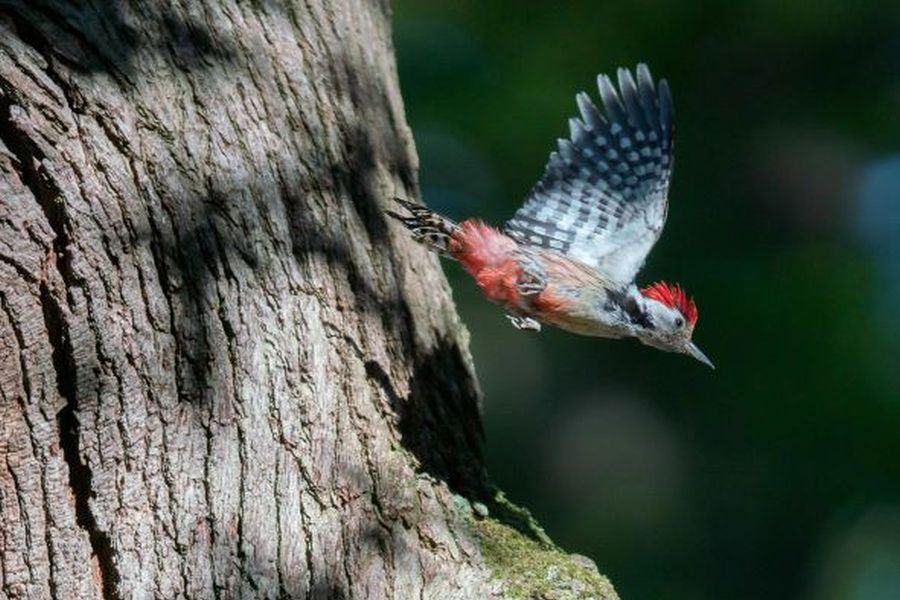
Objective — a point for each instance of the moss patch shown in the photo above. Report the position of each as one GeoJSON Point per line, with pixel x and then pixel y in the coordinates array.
{"type": "Point", "coordinates": [530, 566]}
{"type": "Point", "coordinates": [511, 515]}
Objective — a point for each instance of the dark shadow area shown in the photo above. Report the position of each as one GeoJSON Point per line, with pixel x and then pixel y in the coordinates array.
{"type": "Point", "coordinates": [101, 35]}
{"type": "Point", "coordinates": [439, 421]}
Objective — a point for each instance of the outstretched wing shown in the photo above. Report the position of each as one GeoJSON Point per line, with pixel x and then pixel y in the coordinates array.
{"type": "Point", "coordinates": [603, 197]}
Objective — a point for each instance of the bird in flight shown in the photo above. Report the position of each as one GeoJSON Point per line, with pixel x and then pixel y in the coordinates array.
{"type": "Point", "coordinates": [569, 256]}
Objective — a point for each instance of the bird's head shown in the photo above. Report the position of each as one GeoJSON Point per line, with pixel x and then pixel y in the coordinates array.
{"type": "Point", "coordinates": [672, 319]}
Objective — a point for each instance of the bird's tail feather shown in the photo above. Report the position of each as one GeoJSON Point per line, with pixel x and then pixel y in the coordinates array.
{"type": "Point", "coordinates": [428, 227]}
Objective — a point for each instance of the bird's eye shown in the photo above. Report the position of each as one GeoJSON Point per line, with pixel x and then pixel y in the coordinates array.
{"type": "Point", "coordinates": [679, 321]}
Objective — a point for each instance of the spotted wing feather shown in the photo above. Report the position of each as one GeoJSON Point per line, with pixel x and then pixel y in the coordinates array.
{"type": "Point", "coordinates": [603, 196]}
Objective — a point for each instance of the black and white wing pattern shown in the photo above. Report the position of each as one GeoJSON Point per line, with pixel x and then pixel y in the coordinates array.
{"type": "Point", "coordinates": [603, 197]}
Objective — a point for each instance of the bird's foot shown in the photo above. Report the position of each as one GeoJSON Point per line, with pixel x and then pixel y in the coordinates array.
{"type": "Point", "coordinates": [524, 323]}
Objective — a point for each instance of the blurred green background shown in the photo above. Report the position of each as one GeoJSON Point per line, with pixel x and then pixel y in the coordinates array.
{"type": "Point", "coordinates": [778, 475]}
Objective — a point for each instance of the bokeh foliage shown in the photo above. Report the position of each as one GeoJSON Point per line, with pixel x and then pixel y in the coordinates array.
{"type": "Point", "coordinates": [778, 475]}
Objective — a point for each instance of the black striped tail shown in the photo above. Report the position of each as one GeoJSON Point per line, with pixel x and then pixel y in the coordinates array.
{"type": "Point", "coordinates": [428, 227]}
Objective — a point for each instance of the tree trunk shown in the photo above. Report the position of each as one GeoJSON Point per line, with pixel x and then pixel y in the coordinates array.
{"type": "Point", "coordinates": [223, 373]}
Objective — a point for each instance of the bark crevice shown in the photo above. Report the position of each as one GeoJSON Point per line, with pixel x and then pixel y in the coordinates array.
{"type": "Point", "coordinates": [56, 314]}
{"type": "Point", "coordinates": [80, 478]}
{"type": "Point", "coordinates": [29, 156]}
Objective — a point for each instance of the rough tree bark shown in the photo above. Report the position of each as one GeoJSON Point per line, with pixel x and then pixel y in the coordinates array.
{"type": "Point", "coordinates": [223, 373]}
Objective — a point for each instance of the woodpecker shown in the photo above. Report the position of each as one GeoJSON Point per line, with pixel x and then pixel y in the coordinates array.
{"type": "Point", "coordinates": [569, 256]}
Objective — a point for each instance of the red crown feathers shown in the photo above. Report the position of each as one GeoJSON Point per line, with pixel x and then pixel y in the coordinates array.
{"type": "Point", "coordinates": [674, 297]}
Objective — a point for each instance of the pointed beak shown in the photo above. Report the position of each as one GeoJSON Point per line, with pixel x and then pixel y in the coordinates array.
{"type": "Point", "coordinates": [694, 351]}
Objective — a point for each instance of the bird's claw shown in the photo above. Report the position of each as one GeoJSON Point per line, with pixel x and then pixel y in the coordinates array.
{"type": "Point", "coordinates": [524, 323]}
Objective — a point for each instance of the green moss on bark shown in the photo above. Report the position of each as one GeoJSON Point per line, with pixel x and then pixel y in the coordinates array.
{"type": "Point", "coordinates": [527, 562]}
